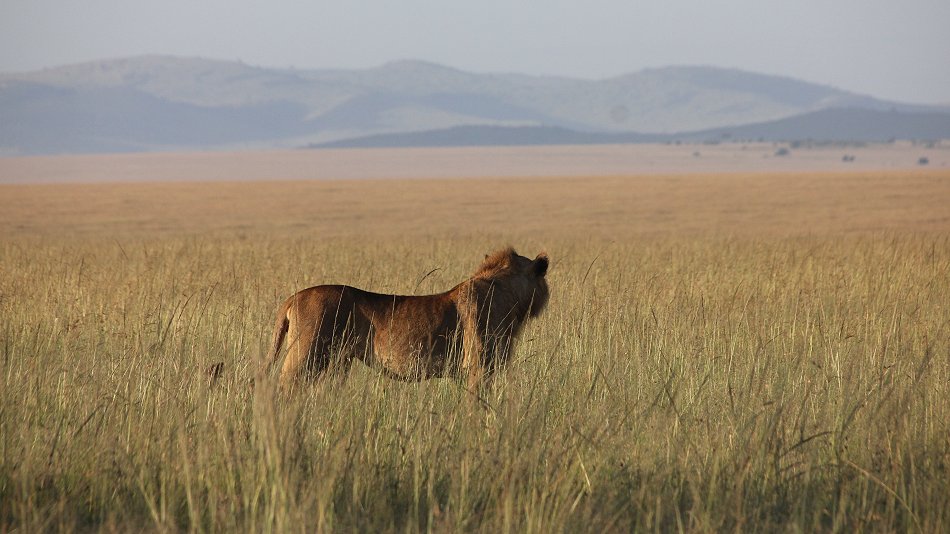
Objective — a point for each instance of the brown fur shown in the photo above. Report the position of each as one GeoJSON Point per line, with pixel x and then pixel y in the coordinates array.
{"type": "Point", "coordinates": [466, 332]}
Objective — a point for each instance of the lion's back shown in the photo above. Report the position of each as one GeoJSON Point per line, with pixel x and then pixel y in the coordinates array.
{"type": "Point", "coordinates": [397, 314]}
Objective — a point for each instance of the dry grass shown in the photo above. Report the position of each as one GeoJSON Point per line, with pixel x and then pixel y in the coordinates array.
{"type": "Point", "coordinates": [720, 353]}
{"type": "Point", "coordinates": [466, 162]}
{"type": "Point", "coordinates": [619, 207]}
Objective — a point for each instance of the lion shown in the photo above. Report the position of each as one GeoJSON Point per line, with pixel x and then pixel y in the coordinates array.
{"type": "Point", "coordinates": [466, 332]}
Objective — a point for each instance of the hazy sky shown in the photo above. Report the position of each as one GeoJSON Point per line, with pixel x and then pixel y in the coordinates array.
{"type": "Point", "coordinates": [887, 48]}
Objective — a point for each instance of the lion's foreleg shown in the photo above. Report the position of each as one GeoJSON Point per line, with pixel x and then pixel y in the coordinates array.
{"type": "Point", "coordinates": [493, 354]}
{"type": "Point", "coordinates": [473, 357]}
{"type": "Point", "coordinates": [473, 380]}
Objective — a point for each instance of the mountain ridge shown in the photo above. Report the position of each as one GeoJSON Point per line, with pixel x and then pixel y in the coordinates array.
{"type": "Point", "coordinates": [848, 125]}
{"type": "Point", "coordinates": [168, 102]}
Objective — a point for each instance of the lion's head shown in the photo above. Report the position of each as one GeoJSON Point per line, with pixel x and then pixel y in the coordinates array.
{"type": "Point", "coordinates": [523, 277]}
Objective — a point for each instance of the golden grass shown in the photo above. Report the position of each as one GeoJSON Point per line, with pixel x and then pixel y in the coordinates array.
{"type": "Point", "coordinates": [619, 207]}
{"type": "Point", "coordinates": [463, 162]}
{"type": "Point", "coordinates": [733, 352]}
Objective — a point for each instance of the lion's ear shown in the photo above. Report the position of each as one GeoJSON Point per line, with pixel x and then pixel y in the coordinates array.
{"type": "Point", "coordinates": [540, 265]}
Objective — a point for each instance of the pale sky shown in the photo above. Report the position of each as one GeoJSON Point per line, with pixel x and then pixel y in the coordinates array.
{"type": "Point", "coordinates": [898, 50]}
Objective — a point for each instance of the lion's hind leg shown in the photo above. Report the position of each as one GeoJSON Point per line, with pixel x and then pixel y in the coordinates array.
{"type": "Point", "coordinates": [280, 331]}
{"type": "Point", "coordinates": [300, 341]}
{"type": "Point", "coordinates": [316, 349]}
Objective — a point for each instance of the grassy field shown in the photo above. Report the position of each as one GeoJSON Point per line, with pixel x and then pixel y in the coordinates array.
{"type": "Point", "coordinates": [751, 352]}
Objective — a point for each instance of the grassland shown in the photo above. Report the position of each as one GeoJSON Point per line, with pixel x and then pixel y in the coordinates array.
{"type": "Point", "coordinates": [721, 352]}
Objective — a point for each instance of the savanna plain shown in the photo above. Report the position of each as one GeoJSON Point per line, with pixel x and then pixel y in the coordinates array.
{"type": "Point", "coordinates": [764, 351]}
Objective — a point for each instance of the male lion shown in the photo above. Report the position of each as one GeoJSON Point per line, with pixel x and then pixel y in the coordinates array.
{"type": "Point", "coordinates": [466, 332]}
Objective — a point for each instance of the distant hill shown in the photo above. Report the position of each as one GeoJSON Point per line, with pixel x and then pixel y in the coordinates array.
{"type": "Point", "coordinates": [838, 124]}
{"type": "Point", "coordinates": [844, 125]}
{"type": "Point", "coordinates": [162, 103]}
{"type": "Point", "coordinates": [492, 136]}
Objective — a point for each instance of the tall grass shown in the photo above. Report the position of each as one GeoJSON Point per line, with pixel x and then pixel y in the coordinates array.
{"type": "Point", "coordinates": [695, 384]}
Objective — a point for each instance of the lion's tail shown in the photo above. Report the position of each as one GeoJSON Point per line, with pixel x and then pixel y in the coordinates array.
{"type": "Point", "coordinates": [280, 330]}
